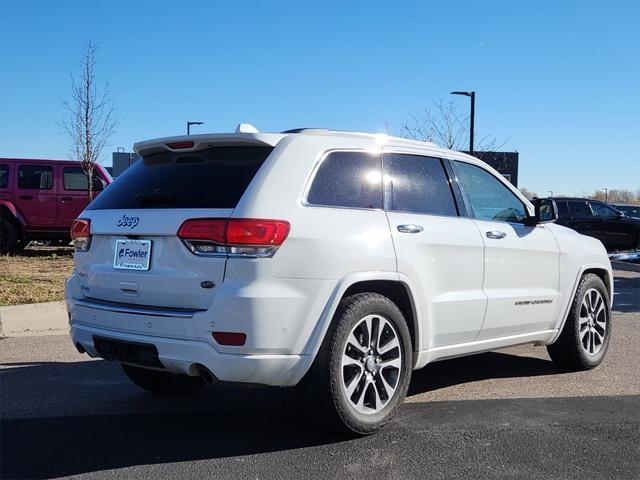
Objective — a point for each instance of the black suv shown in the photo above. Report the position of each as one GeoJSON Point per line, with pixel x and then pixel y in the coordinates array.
{"type": "Point", "coordinates": [600, 220]}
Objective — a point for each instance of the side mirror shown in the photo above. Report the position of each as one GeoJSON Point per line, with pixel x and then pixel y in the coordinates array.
{"type": "Point", "coordinates": [546, 211]}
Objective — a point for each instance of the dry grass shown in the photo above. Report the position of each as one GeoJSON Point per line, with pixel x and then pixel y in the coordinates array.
{"type": "Point", "coordinates": [36, 276]}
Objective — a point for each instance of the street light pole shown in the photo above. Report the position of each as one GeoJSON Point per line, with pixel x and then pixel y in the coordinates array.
{"type": "Point", "coordinates": [189, 126]}
{"type": "Point", "coordinates": [472, 95]}
{"type": "Point", "coordinates": [606, 195]}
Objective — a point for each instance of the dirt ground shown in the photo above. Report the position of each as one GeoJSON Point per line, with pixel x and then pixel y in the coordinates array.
{"type": "Point", "coordinates": [37, 275]}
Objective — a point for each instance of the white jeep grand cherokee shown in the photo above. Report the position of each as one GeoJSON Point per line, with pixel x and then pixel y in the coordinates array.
{"type": "Point", "coordinates": [338, 262]}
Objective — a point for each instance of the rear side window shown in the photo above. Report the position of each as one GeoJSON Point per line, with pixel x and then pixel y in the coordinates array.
{"type": "Point", "coordinates": [4, 175]}
{"type": "Point", "coordinates": [348, 179]}
{"type": "Point", "coordinates": [35, 177]}
{"type": "Point", "coordinates": [215, 177]}
{"type": "Point", "coordinates": [74, 178]}
{"type": "Point", "coordinates": [579, 208]}
{"type": "Point", "coordinates": [418, 185]}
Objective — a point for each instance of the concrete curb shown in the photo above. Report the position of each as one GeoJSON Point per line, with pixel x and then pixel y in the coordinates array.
{"type": "Point", "coordinates": [34, 319]}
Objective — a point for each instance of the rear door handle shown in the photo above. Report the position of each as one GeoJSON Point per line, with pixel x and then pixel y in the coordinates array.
{"type": "Point", "coordinates": [410, 228]}
{"type": "Point", "coordinates": [496, 234]}
{"type": "Point", "coordinates": [26, 197]}
{"type": "Point", "coordinates": [66, 199]}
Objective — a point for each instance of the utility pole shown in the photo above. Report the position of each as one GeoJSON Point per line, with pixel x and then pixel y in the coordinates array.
{"type": "Point", "coordinates": [189, 126]}
{"type": "Point", "coordinates": [472, 95]}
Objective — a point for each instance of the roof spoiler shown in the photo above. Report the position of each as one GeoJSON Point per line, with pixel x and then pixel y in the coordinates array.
{"type": "Point", "coordinates": [246, 134]}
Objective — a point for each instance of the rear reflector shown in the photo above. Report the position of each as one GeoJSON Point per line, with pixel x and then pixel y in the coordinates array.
{"type": "Point", "coordinates": [180, 145]}
{"type": "Point", "coordinates": [81, 234]}
{"type": "Point", "coordinates": [231, 339]}
{"type": "Point", "coordinates": [236, 236]}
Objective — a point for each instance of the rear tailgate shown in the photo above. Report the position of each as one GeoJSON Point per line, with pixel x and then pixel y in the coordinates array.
{"type": "Point", "coordinates": [175, 277]}
{"type": "Point", "coordinates": [135, 255]}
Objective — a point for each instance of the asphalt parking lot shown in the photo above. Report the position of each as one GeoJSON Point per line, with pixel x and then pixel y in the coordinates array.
{"type": "Point", "coordinates": [508, 413]}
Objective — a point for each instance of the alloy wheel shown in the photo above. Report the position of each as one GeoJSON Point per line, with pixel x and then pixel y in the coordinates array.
{"type": "Point", "coordinates": [592, 322]}
{"type": "Point", "coordinates": [371, 364]}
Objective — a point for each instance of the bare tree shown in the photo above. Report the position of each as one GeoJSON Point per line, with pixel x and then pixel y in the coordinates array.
{"type": "Point", "coordinates": [90, 116]}
{"type": "Point", "coordinates": [528, 193]}
{"type": "Point", "coordinates": [617, 195]}
{"type": "Point", "coordinates": [443, 124]}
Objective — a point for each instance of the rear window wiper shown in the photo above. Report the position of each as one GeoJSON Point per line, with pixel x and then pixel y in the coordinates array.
{"type": "Point", "coordinates": [158, 198]}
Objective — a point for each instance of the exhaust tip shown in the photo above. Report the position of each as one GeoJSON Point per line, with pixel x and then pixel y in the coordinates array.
{"type": "Point", "coordinates": [206, 374]}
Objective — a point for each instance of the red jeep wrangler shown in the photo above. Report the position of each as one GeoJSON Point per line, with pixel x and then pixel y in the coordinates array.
{"type": "Point", "coordinates": [39, 199]}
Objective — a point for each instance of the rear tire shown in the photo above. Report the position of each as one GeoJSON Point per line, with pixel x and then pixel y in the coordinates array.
{"type": "Point", "coordinates": [359, 379]}
{"type": "Point", "coordinates": [584, 340]}
{"type": "Point", "coordinates": [9, 238]}
{"type": "Point", "coordinates": [162, 383]}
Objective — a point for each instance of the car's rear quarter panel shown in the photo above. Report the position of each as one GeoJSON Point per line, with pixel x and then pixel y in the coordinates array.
{"type": "Point", "coordinates": [324, 244]}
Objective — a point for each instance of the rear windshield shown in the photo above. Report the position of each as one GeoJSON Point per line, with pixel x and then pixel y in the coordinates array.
{"type": "Point", "coordinates": [215, 177]}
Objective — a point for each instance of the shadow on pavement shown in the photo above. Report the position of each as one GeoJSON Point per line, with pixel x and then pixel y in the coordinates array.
{"type": "Point", "coordinates": [56, 446]}
{"type": "Point", "coordinates": [478, 367]}
{"type": "Point", "coordinates": [70, 418]}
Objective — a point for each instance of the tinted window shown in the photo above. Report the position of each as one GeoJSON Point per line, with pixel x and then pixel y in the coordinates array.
{"type": "Point", "coordinates": [579, 208]}
{"type": "Point", "coordinates": [602, 210]}
{"type": "Point", "coordinates": [348, 179]}
{"type": "Point", "coordinates": [35, 177]}
{"type": "Point", "coordinates": [4, 175]}
{"type": "Point", "coordinates": [490, 199]}
{"type": "Point", "coordinates": [418, 185]}
{"type": "Point", "coordinates": [215, 177]}
{"type": "Point", "coordinates": [563, 210]}
{"type": "Point", "coordinates": [74, 178]}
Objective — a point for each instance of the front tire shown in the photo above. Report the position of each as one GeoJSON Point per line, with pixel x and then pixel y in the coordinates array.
{"type": "Point", "coordinates": [584, 340]}
{"type": "Point", "coordinates": [361, 374]}
{"type": "Point", "coordinates": [162, 383]}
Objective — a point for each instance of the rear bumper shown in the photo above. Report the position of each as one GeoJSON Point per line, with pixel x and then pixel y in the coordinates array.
{"type": "Point", "coordinates": [277, 315]}
{"type": "Point", "coordinates": [184, 356]}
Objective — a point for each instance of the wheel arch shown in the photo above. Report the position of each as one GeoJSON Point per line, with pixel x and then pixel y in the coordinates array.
{"type": "Point", "coordinates": [400, 294]}
{"type": "Point", "coordinates": [604, 272]}
{"type": "Point", "coordinates": [604, 275]}
{"type": "Point", "coordinates": [9, 210]}
{"type": "Point", "coordinates": [390, 284]}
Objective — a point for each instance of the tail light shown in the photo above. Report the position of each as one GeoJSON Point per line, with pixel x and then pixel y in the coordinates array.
{"type": "Point", "coordinates": [237, 236]}
{"type": "Point", "coordinates": [81, 234]}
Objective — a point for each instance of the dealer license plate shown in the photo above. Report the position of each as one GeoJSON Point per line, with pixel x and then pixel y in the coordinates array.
{"type": "Point", "coordinates": [132, 254]}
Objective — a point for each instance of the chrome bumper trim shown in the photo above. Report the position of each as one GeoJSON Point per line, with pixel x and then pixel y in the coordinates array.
{"type": "Point", "coordinates": [136, 309]}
